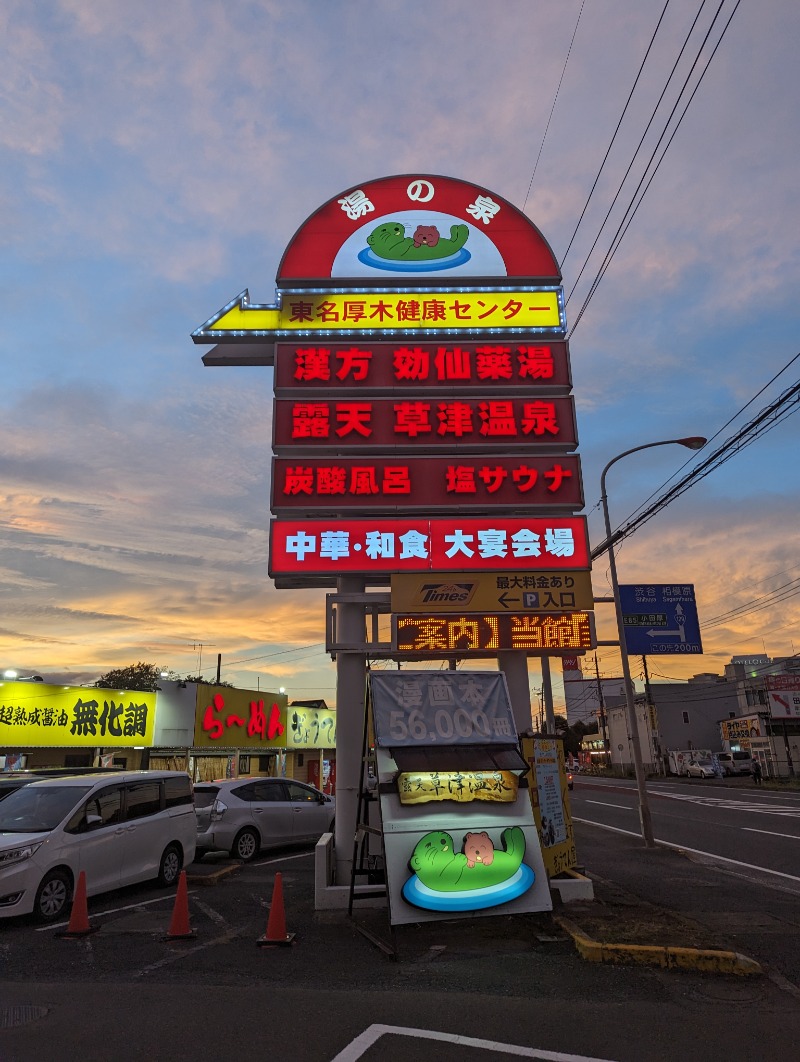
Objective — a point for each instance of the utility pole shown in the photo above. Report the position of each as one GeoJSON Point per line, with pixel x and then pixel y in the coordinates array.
{"type": "Point", "coordinates": [219, 666]}
{"type": "Point", "coordinates": [602, 703]}
{"type": "Point", "coordinates": [652, 715]}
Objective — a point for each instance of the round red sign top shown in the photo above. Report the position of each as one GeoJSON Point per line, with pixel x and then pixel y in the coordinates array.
{"type": "Point", "coordinates": [419, 230]}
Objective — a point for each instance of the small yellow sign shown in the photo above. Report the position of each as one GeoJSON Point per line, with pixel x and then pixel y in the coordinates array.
{"type": "Point", "coordinates": [392, 311]}
{"type": "Point", "coordinates": [36, 714]}
{"type": "Point", "coordinates": [493, 592]}
{"type": "Point", "coordinates": [422, 787]}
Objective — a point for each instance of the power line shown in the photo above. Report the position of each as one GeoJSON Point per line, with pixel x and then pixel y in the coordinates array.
{"type": "Point", "coordinates": [555, 98]}
{"type": "Point", "coordinates": [631, 209]}
{"type": "Point", "coordinates": [781, 408]}
{"type": "Point", "coordinates": [614, 137]}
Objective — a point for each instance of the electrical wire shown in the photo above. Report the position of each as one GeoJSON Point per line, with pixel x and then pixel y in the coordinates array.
{"type": "Point", "coordinates": [614, 136]}
{"type": "Point", "coordinates": [631, 209]}
{"type": "Point", "coordinates": [553, 107]}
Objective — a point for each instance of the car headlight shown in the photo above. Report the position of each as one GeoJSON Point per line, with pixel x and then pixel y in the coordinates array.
{"type": "Point", "coordinates": [16, 855]}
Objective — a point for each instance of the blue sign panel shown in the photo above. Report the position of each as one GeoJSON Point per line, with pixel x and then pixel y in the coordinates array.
{"type": "Point", "coordinates": [660, 620]}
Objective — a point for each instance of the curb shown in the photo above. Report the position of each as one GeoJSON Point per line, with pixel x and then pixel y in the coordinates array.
{"type": "Point", "coordinates": [706, 960]}
{"type": "Point", "coordinates": [212, 877]}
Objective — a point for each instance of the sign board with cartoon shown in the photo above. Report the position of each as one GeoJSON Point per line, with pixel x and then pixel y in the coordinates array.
{"type": "Point", "coordinates": [458, 830]}
{"type": "Point", "coordinates": [550, 800]}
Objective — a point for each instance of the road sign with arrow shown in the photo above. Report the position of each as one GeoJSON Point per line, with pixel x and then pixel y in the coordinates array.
{"type": "Point", "coordinates": [660, 619]}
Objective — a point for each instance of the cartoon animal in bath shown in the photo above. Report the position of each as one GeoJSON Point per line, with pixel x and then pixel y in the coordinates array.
{"type": "Point", "coordinates": [478, 848]}
{"type": "Point", "coordinates": [441, 868]}
{"type": "Point", "coordinates": [389, 241]}
{"type": "Point", "coordinates": [427, 234]}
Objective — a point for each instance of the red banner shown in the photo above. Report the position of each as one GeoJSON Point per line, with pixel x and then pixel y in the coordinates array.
{"type": "Point", "coordinates": [406, 484]}
{"type": "Point", "coordinates": [520, 365]}
{"type": "Point", "coordinates": [384, 423]}
{"type": "Point", "coordinates": [384, 545]}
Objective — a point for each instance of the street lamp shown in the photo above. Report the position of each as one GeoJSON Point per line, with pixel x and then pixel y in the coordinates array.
{"type": "Point", "coordinates": [695, 442]}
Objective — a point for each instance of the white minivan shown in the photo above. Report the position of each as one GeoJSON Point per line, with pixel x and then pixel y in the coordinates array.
{"type": "Point", "coordinates": [119, 828]}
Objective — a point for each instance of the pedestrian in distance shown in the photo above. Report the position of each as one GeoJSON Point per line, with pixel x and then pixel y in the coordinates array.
{"type": "Point", "coordinates": [757, 772]}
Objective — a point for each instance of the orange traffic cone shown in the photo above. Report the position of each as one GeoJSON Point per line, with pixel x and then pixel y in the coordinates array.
{"type": "Point", "coordinates": [276, 934]}
{"type": "Point", "coordinates": [179, 928]}
{"type": "Point", "coordinates": [79, 916]}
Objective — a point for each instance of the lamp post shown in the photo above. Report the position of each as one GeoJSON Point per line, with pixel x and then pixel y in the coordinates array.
{"type": "Point", "coordinates": [695, 442]}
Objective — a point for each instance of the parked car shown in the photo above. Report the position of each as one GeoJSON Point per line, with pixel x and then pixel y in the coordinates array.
{"type": "Point", "coordinates": [120, 828]}
{"type": "Point", "coordinates": [735, 762]}
{"type": "Point", "coordinates": [10, 781]}
{"type": "Point", "coordinates": [245, 815]}
{"type": "Point", "coordinates": [700, 769]}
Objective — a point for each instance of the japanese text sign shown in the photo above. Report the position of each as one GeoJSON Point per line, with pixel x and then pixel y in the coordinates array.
{"type": "Point", "coordinates": [37, 714]}
{"type": "Point", "coordinates": [523, 365]}
{"type": "Point", "coordinates": [453, 708]}
{"type": "Point", "coordinates": [783, 696]}
{"type": "Point", "coordinates": [231, 718]}
{"type": "Point", "coordinates": [660, 619]}
{"type": "Point", "coordinates": [311, 728]}
{"type": "Point", "coordinates": [426, 484]}
{"type": "Point", "coordinates": [493, 592]}
{"type": "Point", "coordinates": [386, 545]}
{"type": "Point", "coordinates": [476, 634]}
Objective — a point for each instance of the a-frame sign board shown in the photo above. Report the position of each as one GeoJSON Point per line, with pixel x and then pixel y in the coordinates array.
{"type": "Point", "coordinates": [458, 838]}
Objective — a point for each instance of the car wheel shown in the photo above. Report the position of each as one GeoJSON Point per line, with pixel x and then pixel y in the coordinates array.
{"type": "Point", "coordinates": [52, 896]}
{"type": "Point", "coordinates": [170, 866]}
{"type": "Point", "coordinates": [246, 846]}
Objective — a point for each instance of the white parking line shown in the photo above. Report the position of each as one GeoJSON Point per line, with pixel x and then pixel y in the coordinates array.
{"type": "Point", "coordinates": [112, 910]}
{"type": "Point", "coordinates": [357, 1048]}
{"type": "Point", "coordinates": [282, 859]}
{"type": "Point", "coordinates": [602, 803]}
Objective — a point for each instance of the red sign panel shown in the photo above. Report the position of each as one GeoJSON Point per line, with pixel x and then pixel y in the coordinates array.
{"type": "Point", "coordinates": [521, 365]}
{"type": "Point", "coordinates": [425, 483]}
{"type": "Point", "coordinates": [384, 545]}
{"type": "Point", "coordinates": [384, 423]}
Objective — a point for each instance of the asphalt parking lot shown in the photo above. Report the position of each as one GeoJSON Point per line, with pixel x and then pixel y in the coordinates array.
{"type": "Point", "coordinates": [472, 989]}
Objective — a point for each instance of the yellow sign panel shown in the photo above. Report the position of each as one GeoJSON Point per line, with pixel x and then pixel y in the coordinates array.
{"type": "Point", "coordinates": [311, 728]}
{"type": "Point", "coordinates": [36, 714]}
{"type": "Point", "coordinates": [239, 719]}
{"type": "Point", "coordinates": [493, 592]}
{"type": "Point", "coordinates": [422, 787]}
{"type": "Point", "coordinates": [371, 311]}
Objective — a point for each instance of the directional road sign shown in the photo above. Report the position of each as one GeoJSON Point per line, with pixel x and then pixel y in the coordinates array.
{"type": "Point", "coordinates": [660, 619]}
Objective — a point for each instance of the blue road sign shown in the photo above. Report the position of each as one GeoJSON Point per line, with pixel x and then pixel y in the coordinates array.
{"type": "Point", "coordinates": [660, 620]}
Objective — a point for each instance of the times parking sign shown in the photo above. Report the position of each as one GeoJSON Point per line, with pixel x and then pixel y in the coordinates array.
{"type": "Point", "coordinates": [660, 620]}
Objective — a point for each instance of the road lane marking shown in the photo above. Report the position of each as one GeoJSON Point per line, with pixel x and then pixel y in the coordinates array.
{"type": "Point", "coordinates": [282, 859]}
{"type": "Point", "coordinates": [694, 851]}
{"type": "Point", "coordinates": [772, 833]}
{"type": "Point", "coordinates": [357, 1048]}
{"type": "Point", "coordinates": [113, 910]}
{"type": "Point", "coordinates": [602, 803]}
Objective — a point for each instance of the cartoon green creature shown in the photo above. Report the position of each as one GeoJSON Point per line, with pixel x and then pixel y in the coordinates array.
{"type": "Point", "coordinates": [441, 868]}
{"type": "Point", "coordinates": [389, 241]}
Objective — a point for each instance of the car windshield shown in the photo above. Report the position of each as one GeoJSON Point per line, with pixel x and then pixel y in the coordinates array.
{"type": "Point", "coordinates": [38, 808]}
{"type": "Point", "coordinates": [705, 763]}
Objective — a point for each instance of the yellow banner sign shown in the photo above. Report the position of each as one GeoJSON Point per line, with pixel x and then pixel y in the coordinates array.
{"type": "Point", "coordinates": [421, 787]}
{"type": "Point", "coordinates": [36, 714]}
{"type": "Point", "coordinates": [239, 719]}
{"type": "Point", "coordinates": [311, 728]}
{"type": "Point", "coordinates": [381, 311]}
{"type": "Point", "coordinates": [493, 592]}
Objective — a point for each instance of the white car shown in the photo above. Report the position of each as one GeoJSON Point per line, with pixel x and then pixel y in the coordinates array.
{"type": "Point", "coordinates": [244, 815]}
{"type": "Point", "coordinates": [118, 828]}
{"type": "Point", "coordinates": [700, 769]}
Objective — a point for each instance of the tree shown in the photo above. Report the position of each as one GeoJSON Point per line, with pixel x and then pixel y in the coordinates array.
{"type": "Point", "coordinates": [141, 676]}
